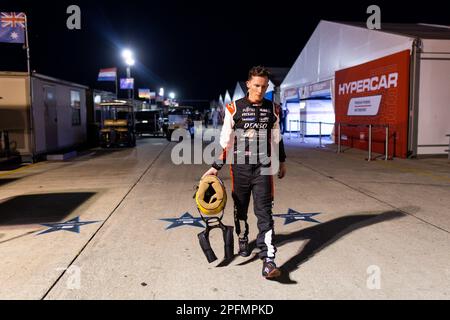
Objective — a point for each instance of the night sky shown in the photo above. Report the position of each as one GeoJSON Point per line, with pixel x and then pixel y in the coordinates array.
{"type": "Point", "coordinates": [197, 49]}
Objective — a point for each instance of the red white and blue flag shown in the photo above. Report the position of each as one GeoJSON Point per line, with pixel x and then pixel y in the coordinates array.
{"type": "Point", "coordinates": [109, 74]}
{"type": "Point", "coordinates": [12, 27]}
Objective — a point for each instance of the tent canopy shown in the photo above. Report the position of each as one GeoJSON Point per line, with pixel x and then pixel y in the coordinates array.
{"type": "Point", "coordinates": [334, 46]}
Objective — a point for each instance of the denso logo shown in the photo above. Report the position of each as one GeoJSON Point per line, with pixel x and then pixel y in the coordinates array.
{"type": "Point", "coordinates": [370, 84]}
{"type": "Point", "coordinates": [255, 126]}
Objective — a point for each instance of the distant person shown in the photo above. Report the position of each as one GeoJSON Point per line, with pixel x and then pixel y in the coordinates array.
{"type": "Point", "coordinates": [281, 115]}
{"type": "Point", "coordinates": [197, 116]}
{"type": "Point", "coordinates": [206, 118]}
{"type": "Point", "coordinates": [215, 117]}
{"type": "Point", "coordinates": [285, 112]}
{"type": "Point", "coordinates": [221, 115]}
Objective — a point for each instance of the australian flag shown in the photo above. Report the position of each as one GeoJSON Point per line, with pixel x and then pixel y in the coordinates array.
{"type": "Point", "coordinates": [12, 27]}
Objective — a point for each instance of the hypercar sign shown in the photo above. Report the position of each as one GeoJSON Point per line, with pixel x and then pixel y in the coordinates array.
{"type": "Point", "coordinates": [376, 93]}
{"type": "Point", "coordinates": [384, 81]}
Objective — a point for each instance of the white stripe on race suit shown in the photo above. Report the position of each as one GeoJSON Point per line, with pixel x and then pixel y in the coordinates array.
{"type": "Point", "coordinates": [268, 242]}
{"type": "Point", "coordinates": [243, 229]}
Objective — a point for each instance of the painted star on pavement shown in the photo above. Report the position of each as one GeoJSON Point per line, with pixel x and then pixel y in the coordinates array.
{"type": "Point", "coordinates": [70, 225]}
{"type": "Point", "coordinates": [185, 219]}
{"type": "Point", "coordinates": [293, 216]}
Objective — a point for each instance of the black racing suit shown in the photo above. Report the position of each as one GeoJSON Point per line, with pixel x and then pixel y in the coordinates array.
{"type": "Point", "coordinates": [252, 132]}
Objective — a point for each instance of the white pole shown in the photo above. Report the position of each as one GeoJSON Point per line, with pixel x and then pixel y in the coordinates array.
{"type": "Point", "coordinates": [117, 93]}
{"type": "Point", "coordinates": [303, 129]}
{"type": "Point", "coordinates": [387, 143]}
{"type": "Point", "coordinates": [320, 134]}
{"type": "Point", "coordinates": [31, 126]}
{"type": "Point", "coordinates": [27, 47]}
{"type": "Point", "coordinates": [290, 129]}
{"type": "Point", "coordinates": [339, 138]}
{"type": "Point", "coordinates": [129, 76]}
{"type": "Point", "coordinates": [370, 143]}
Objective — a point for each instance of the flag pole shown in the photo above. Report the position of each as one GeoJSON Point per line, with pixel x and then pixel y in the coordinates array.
{"type": "Point", "coordinates": [117, 95]}
{"type": "Point", "coordinates": [32, 135]}
{"type": "Point", "coordinates": [27, 46]}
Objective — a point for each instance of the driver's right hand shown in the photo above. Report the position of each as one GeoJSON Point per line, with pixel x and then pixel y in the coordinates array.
{"type": "Point", "coordinates": [211, 171]}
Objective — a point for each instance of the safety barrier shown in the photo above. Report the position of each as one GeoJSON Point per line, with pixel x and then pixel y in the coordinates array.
{"type": "Point", "coordinates": [370, 126]}
{"type": "Point", "coordinates": [290, 127]}
{"type": "Point", "coordinates": [301, 131]}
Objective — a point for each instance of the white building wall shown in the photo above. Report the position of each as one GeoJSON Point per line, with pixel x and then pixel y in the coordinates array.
{"type": "Point", "coordinates": [434, 97]}
{"type": "Point", "coordinates": [293, 117]}
{"type": "Point", "coordinates": [68, 135]}
{"type": "Point", "coordinates": [38, 116]}
{"type": "Point", "coordinates": [14, 110]}
{"type": "Point", "coordinates": [319, 111]}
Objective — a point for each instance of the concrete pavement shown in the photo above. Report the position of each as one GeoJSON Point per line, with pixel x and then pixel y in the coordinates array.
{"type": "Point", "coordinates": [383, 231]}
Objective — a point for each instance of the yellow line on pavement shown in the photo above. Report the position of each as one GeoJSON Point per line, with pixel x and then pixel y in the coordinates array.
{"type": "Point", "coordinates": [19, 169]}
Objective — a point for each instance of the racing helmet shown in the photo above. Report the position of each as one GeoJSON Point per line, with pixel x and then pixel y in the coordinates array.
{"type": "Point", "coordinates": [211, 196]}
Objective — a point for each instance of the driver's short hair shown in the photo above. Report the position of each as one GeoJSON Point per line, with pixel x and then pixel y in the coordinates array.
{"type": "Point", "coordinates": [258, 71]}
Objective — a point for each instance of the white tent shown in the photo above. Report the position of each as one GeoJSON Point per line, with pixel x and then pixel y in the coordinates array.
{"type": "Point", "coordinates": [334, 46]}
{"type": "Point", "coordinates": [241, 89]}
{"type": "Point", "coordinates": [227, 98]}
{"type": "Point", "coordinates": [220, 101]}
{"type": "Point", "coordinates": [270, 91]}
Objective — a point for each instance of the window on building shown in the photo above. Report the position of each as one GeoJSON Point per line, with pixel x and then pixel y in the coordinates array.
{"type": "Point", "coordinates": [75, 105]}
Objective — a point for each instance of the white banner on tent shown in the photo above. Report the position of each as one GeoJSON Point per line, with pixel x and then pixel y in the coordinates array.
{"type": "Point", "coordinates": [319, 88]}
{"type": "Point", "coordinates": [364, 106]}
{"type": "Point", "coordinates": [291, 93]}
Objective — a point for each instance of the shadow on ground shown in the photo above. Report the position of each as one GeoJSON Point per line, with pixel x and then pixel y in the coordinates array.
{"type": "Point", "coordinates": [11, 166]}
{"type": "Point", "coordinates": [40, 208]}
{"type": "Point", "coordinates": [320, 236]}
{"type": "Point", "coordinates": [6, 181]}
